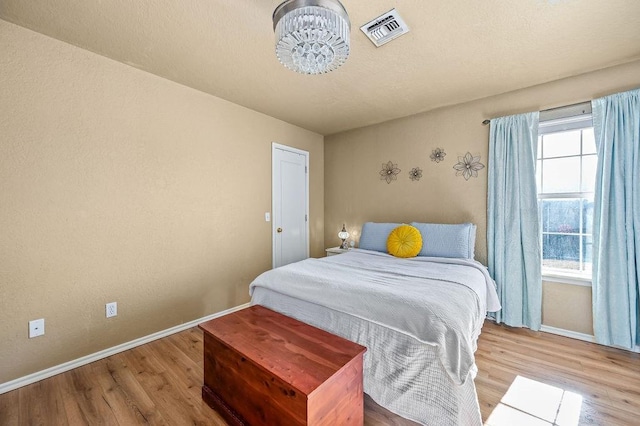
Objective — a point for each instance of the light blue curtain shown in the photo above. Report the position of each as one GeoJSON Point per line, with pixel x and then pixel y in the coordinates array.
{"type": "Point", "coordinates": [616, 242]}
{"type": "Point", "coordinates": [513, 228]}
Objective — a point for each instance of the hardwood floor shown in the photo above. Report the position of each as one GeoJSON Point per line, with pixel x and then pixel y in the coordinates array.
{"type": "Point", "coordinates": [596, 385]}
{"type": "Point", "coordinates": [553, 378]}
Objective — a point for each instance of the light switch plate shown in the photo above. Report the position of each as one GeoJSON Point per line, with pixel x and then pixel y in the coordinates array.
{"type": "Point", "coordinates": [36, 328]}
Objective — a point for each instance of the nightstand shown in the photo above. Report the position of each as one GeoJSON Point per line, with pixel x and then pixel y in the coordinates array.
{"type": "Point", "coordinates": [335, 250]}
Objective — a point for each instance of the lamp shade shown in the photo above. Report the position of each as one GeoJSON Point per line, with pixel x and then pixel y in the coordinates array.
{"type": "Point", "coordinates": [312, 36]}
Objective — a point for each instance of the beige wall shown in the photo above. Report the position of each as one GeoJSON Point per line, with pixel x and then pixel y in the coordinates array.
{"type": "Point", "coordinates": [117, 185]}
{"type": "Point", "coordinates": [354, 193]}
{"type": "Point", "coordinates": [567, 306]}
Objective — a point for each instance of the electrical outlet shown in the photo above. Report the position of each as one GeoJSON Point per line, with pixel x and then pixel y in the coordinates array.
{"type": "Point", "coordinates": [36, 328]}
{"type": "Point", "coordinates": [112, 309]}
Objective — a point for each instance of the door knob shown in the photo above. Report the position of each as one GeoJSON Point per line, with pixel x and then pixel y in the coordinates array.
{"type": "Point", "coordinates": [279, 230]}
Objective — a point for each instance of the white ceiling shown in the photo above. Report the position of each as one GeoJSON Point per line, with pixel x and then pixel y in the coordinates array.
{"type": "Point", "coordinates": [457, 50]}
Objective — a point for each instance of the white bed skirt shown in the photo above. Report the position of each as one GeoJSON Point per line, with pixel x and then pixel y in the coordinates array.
{"type": "Point", "coordinates": [401, 374]}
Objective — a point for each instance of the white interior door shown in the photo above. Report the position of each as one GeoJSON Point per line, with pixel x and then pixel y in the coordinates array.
{"type": "Point", "coordinates": [290, 181]}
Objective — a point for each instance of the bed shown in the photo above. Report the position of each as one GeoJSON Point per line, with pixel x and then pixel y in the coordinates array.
{"type": "Point", "coordinates": [419, 318]}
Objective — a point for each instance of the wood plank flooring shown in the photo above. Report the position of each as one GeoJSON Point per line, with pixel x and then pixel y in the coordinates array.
{"type": "Point", "coordinates": [607, 379]}
{"type": "Point", "coordinates": [524, 378]}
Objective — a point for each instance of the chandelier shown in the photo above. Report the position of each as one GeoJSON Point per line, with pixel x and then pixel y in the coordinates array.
{"type": "Point", "coordinates": [312, 36]}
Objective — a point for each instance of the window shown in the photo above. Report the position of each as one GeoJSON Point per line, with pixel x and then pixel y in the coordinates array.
{"type": "Point", "coordinates": [566, 170]}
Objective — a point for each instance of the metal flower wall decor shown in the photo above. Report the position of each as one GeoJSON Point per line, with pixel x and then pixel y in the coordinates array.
{"type": "Point", "coordinates": [415, 173]}
{"type": "Point", "coordinates": [468, 166]}
{"type": "Point", "coordinates": [437, 155]}
{"type": "Point", "coordinates": [389, 172]}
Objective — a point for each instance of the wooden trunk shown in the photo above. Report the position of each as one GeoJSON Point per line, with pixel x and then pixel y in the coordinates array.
{"type": "Point", "coordinates": [264, 368]}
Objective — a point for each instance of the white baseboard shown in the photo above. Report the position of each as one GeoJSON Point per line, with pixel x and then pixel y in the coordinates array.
{"type": "Point", "coordinates": [581, 336]}
{"type": "Point", "coordinates": [568, 333]}
{"type": "Point", "coordinates": [61, 368]}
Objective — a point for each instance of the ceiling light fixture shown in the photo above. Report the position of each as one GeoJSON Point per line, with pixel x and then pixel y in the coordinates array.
{"type": "Point", "coordinates": [312, 36]}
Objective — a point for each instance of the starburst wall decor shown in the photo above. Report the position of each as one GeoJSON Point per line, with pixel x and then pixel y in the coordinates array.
{"type": "Point", "coordinates": [437, 155]}
{"type": "Point", "coordinates": [389, 172]}
{"type": "Point", "coordinates": [468, 166]}
{"type": "Point", "coordinates": [415, 173]}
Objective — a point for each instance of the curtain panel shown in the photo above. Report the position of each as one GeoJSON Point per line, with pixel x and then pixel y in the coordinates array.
{"type": "Point", "coordinates": [616, 244]}
{"type": "Point", "coordinates": [513, 229]}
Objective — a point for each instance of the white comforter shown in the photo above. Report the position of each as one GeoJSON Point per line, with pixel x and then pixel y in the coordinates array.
{"type": "Point", "coordinates": [441, 302]}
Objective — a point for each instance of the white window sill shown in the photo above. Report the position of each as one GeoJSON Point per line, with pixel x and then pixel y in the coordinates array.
{"type": "Point", "coordinates": [564, 277]}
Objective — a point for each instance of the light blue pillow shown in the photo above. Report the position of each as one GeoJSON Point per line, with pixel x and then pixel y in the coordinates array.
{"type": "Point", "coordinates": [444, 240]}
{"type": "Point", "coordinates": [374, 235]}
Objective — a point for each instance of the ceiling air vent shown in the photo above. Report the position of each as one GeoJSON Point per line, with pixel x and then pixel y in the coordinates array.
{"type": "Point", "coordinates": [385, 28]}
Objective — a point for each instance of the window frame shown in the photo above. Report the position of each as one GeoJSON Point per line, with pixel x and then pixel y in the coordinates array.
{"type": "Point", "coordinates": [575, 117]}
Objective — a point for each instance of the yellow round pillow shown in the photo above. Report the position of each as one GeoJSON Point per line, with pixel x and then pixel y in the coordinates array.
{"type": "Point", "coordinates": [404, 241]}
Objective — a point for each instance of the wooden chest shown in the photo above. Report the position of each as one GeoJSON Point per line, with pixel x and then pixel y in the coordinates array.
{"type": "Point", "coordinates": [264, 368]}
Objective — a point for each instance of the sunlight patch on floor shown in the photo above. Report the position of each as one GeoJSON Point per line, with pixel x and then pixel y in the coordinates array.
{"type": "Point", "coordinates": [532, 403]}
